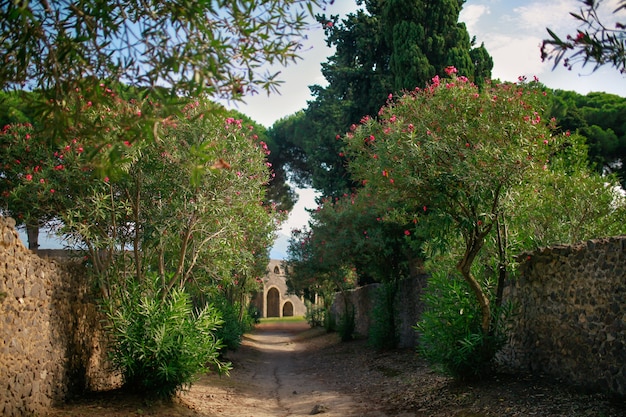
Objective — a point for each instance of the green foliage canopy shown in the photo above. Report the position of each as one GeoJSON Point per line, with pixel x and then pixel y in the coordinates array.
{"type": "Point", "coordinates": [451, 153]}
{"type": "Point", "coordinates": [189, 46]}
{"type": "Point", "coordinates": [387, 48]}
{"type": "Point", "coordinates": [596, 42]}
{"type": "Point", "coordinates": [599, 117]}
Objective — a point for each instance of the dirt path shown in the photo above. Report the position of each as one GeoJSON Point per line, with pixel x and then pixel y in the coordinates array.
{"type": "Point", "coordinates": [271, 378]}
{"type": "Point", "coordinates": [288, 370]}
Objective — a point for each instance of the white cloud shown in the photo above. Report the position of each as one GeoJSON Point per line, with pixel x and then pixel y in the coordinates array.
{"type": "Point", "coordinates": [472, 14]}
{"type": "Point", "coordinates": [513, 56]}
{"type": "Point", "coordinates": [299, 217]}
{"type": "Point", "coordinates": [536, 17]}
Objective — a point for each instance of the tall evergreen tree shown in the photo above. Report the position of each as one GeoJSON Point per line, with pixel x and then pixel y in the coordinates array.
{"type": "Point", "coordinates": [390, 46]}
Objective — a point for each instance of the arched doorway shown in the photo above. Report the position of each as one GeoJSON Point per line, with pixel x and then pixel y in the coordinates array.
{"type": "Point", "coordinates": [273, 303]}
{"type": "Point", "coordinates": [288, 309]}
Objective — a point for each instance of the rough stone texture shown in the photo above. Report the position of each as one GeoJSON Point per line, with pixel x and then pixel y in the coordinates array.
{"type": "Point", "coordinates": [49, 330]}
{"type": "Point", "coordinates": [571, 314]}
{"type": "Point", "coordinates": [283, 304]}
{"type": "Point", "coordinates": [408, 307]}
{"type": "Point", "coordinates": [570, 321]}
{"type": "Point", "coordinates": [362, 299]}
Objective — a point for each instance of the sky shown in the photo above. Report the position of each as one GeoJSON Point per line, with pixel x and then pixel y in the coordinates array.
{"type": "Point", "coordinates": [512, 32]}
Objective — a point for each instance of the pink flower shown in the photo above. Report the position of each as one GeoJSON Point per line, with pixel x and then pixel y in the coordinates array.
{"type": "Point", "coordinates": [52, 190]}
{"type": "Point", "coordinates": [28, 177]}
{"type": "Point", "coordinates": [58, 167]}
{"type": "Point", "coordinates": [385, 173]}
{"type": "Point", "coordinates": [450, 70]}
{"type": "Point", "coordinates": [42, 181]}
{"type": "Point", "coordinates": [407, 233]}
{"type": "Point", "coordinates": [106, 179]}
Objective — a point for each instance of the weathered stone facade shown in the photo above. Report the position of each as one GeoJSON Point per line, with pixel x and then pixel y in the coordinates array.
{"type": "Point", "coordinates": [275, 301]}
{"type": "Point", "coordinates": [570, 314]}
{"type": "Point", "coordinates": [570, 319]}
{"type": "Point", "coordinates": [48, 330]}
{"type": "Point", "coordinates": [407, 303]}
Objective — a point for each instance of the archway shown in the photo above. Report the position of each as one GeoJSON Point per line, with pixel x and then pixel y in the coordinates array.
{"type": "Point", "coordinates": [273, 303]}
{"type": "Point", "coordinates": [288, 309]}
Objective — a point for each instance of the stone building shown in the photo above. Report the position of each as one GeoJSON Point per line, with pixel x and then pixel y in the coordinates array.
{"type": "Point", "coordinates": [274, 300]}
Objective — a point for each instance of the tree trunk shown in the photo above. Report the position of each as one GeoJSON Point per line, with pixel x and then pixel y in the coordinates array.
{"type": "Point", "coordinates": [464, 267]}
{"type": "Point", "coordinates": [32, 232]}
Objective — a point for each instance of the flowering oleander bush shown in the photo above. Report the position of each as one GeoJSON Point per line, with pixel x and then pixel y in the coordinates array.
{"type": "Point", "coordinates": [173, 218]}
{"type": "Point", "coordinates": [456, 162]}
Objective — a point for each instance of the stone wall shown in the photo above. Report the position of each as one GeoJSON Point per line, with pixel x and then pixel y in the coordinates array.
{"type": "Point", "coordinates": [49, 343]}
{"type": "Point", "coordinates": [362, 299]}
{"type": "Point", "coordinates": [571, 314]}
{"type": "Point", "coordinates": [408, 308]}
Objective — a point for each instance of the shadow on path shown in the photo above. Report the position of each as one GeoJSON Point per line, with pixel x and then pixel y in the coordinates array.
{"type": "Point", "coordinates": [270, 378]}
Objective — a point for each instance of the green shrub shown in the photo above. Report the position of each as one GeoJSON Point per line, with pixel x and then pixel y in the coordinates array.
{"type": "Point", "coordinates": [383, 333]}
{"type": "Point", "coordinates": [315, 314]}
{"type": "Point", "coordinates": [450, 329]}
{"type": "Point", "coordinates": [330, 323]}
{"type": "Point", "coordinates": [160, 343]}
{"type": "Point", "coordinates": [233, 328]}
{"type": "Point", "coordinates": [347, 324]}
